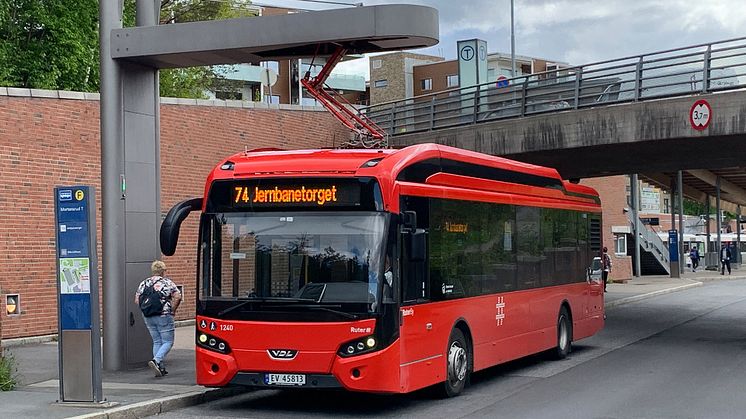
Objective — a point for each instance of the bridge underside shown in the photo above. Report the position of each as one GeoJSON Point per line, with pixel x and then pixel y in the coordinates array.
{"type": "Point", "coordinates": [654, 139]}
{"type": "Point", "coordinates": [670, 155]}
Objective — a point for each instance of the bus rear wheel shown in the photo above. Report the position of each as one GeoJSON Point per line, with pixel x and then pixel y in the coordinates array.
{"type": "Point", "coordinates": [457, 364]}
{"type": "Point", "coordinates": [564, 334]}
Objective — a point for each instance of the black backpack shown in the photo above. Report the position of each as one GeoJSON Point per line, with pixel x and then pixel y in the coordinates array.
{"type": "Point", "coordinates": [150, 301]}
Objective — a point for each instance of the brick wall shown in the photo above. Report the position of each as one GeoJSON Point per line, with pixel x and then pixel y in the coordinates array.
{"type": "Point", "coordinates": [46, 142]}
{"type": "Point", "coordinates": [612, 191]}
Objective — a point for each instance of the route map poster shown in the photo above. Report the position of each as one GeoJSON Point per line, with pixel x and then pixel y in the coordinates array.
{"type": "Point", "coordinates": [75, 276]}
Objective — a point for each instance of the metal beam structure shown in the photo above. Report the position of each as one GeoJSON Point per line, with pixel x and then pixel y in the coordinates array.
{"type": "Point", "coordinates": [253, 39]}
{"type": "Point", "coordinates": [130, 120]}
{"type": "Point", "coordinates": [732, 192]}
{"type": "Point", "coordinates": [663, 181]}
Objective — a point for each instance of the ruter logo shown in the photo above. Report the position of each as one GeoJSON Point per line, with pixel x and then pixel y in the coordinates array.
{"type": "Point", "coordinates": [282, 354]}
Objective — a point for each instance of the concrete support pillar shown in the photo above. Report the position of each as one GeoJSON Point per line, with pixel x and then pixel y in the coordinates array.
{"type": "Point", "coordinates": [674, 267]}
{"type": "Point", "coordinates": [634, 194]}
{"type": "Point", "coordinates": [112, 174]}
{"type": "Point", "coordinates": [130, 155]}
{"type": "Point", "coordinates": [707, 227]}
{"type": "Point", "coordinates": [680, 189]}
{"type": "Point", "coordinates": [738, 235]}
{"type": "Point", "coordinates": [718, 218]}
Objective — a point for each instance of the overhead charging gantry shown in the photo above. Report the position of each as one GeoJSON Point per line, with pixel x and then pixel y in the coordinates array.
{"type": "Point", "coordinates": [367, 133]}
{"type": "Point", "coordinates": [130, 119]}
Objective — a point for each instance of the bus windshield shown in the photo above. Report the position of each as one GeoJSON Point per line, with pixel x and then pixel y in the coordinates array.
{"type": "Point", "coordinates": [331, 259]}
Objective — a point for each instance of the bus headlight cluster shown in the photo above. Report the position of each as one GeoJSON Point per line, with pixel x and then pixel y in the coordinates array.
{"type": "Point", "coordinates": [358, 346]}
{"type": "Point", "coordinates": [212, 343]}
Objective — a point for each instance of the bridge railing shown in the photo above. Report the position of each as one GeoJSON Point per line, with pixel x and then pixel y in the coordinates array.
{"type": "Point", "coordinates": [701, 68]}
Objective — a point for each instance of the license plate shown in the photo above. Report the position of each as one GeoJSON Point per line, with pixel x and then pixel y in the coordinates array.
{"type": "Point", "coordinates": [285, 379]}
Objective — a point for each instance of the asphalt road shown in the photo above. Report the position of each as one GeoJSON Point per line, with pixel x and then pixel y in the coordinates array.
{"type": "Point", "coordinates": [681, 355]}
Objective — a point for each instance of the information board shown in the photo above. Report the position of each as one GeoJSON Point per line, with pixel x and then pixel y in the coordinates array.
{"type": "Point", "coordinates": [77, 295]}
{"type": "Point", "coordinates": [673, 245]}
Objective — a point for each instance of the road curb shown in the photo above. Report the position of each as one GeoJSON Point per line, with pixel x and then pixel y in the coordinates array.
{"type": "Point", "coordinates": [164, 404]}
{"type": "Point", "coordinates": [635, 298]}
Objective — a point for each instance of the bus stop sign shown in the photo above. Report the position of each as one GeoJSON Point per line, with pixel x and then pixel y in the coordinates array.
{"type": "Point", "coordinates": [77, 295]}
{"type": "Point", "coordinates": [673, 245]}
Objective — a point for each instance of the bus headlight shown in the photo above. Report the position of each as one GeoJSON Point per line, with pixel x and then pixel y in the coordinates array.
{"type": "Point", "coordinates": [213, 343]}
{"type": "Point", "coordinates": [357, 346]}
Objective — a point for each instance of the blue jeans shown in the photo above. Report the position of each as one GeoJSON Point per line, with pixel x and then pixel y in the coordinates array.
{"type": "Point", "coordinates": [161, 329]}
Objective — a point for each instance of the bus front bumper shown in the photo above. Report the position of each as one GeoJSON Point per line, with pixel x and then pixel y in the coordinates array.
{"type": "Point", "coordinates": [372, 372]}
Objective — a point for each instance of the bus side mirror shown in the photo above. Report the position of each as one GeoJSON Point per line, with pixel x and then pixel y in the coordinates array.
{"type": "Point", "coordinates": [409, 220]}
{"type": "Point", "coordinates": [418, 245]}
{"type": "Point", "coordinates": [169, 234]}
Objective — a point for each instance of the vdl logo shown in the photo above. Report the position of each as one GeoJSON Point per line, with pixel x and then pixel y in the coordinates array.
{"type": "Point", "coordinates": [66, 195]}
{"type": "Point", "coordinates": [283, 354]}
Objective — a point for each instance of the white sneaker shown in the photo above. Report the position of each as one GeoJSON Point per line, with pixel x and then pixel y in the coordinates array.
{"type": "Point", "coordinates": [154, 366]}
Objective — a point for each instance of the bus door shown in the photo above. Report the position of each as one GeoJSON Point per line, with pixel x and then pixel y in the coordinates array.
{"type": "Point", "coordinates": [595, 279]}
{"type": "Point", "coordinates": [419, 348]}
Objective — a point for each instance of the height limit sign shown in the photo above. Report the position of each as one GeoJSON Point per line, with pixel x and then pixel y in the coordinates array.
{"type": "Point", "coordinates": [700, 115]}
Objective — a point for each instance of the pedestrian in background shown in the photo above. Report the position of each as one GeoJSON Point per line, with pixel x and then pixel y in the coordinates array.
{"type": "Point", "coordinates": [606, 260]}
{"type": "Point", "coordinates": [694, 256]}
{"type": "Point", "coordinates": [725, 256]}
{"type": "Point", "coordinates": [158, 298]}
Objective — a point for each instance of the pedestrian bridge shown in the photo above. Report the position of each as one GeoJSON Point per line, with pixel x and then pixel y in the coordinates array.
{"type": "Point", "coordinates": [622, 116]}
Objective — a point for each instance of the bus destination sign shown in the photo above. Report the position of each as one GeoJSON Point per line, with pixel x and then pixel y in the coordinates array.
{"type": "Point", "coordinates": [301, 195]}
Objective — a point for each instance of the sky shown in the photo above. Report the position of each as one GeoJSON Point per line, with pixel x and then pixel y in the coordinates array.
{"type": "Point", "coordinates": [571, 31]}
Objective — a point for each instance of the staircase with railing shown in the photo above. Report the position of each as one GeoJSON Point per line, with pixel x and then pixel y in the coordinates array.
{"type": "Point", "coordinates": [654, 257]}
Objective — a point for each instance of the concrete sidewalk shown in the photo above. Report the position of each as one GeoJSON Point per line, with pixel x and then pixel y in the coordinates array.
{"type": "Point", "coordinates": [139, 394]}
{"type": "Point", "coordinates": [636, 289]}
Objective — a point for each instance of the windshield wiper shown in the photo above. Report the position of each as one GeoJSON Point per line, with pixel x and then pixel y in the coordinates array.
{"type": "Point", "coordinates": [331, 310]}
{"type": "Point", "coordinates": [239, 305]}
{"type": "Point", "coordinates": [265, 300]}
{"type": "Point", "coordinates": [290, 299]}
{"type": "Point", "coordinates": [326, 307]}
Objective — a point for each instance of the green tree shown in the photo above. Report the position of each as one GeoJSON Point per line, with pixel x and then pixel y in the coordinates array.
{"type": "Point", "coordinates": [694, 207]}
{"type": "Point", "coordinates": [53, 44]}
{"type": "Point", "coordinates": [192, 82]}
{"type": "Point", "coordinates": [49, 44]}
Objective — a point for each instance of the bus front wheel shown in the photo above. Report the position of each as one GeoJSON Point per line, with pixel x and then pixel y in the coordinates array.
{"type": "Point", "coordinates": [564, 334]}
{"type": "Point", "coordinates": [457, 364]}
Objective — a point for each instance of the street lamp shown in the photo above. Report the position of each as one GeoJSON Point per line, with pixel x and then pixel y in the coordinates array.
{"type": "Point", "coordinates": [512, 39]}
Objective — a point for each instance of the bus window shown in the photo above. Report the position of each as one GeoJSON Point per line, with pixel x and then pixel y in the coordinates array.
{"type": "Point", "coordinates": [414, 280]}
{"type": "Point", "coordinates": [529, 252]}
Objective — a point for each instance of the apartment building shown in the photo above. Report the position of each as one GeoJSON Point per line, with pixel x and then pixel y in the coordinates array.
{"type": "Point", "coordinates": [401, 75]}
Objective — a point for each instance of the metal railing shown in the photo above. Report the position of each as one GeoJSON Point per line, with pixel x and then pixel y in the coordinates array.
{"type": "Point", "coordinates": [651, 243]}
{"type": "Point", "coordinates": [701, 68]}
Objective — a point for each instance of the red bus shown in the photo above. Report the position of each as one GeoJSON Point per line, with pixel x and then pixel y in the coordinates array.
{"type": "Point", "coordinates": [387, 270]}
